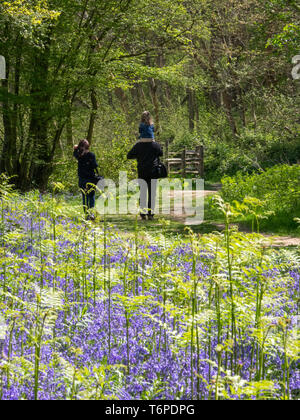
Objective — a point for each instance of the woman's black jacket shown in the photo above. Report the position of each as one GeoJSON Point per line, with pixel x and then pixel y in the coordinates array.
{"type": "Point", "coordinates": [86, 166]}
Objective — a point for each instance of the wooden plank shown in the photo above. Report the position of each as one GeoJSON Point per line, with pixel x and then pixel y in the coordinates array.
{"type": "Point", "coordinates": [174, 160]}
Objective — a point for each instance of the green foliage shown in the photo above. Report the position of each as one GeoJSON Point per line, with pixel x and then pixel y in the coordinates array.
{"type": "Point", "coordinates": [32, 11]}
{"type": "Point", "coordinates": [213, 73]}
{"type": "Point", "coordinates": [254, 151]}
{"type": "Point", "coordinates": [30, 17]}
{"type": "Point", "coordinates": [60, 62]}
{"type": "Point", "coordinates": [112, 159]}
{"type": "Point", "coordinates": [276, 190]}
{"type": "Point", "coordinates": [286, 15]}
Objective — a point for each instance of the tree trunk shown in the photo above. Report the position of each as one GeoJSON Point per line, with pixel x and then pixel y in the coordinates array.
{"type": "Point", "coordinates": [191, 109]}
{"type": "Point", "coordinates": [36, 164]}
{"type": "Point", "coordinates": [155, 100]}
{"type": "Point", "coordinates": [69, 129]}
{"type": "Point", "coordinates": [119, 92]}
{"type": "Point", "coordinates": [227, 103]}
{"type": "Point", "coordinates": [5, 162]}
{"type": "Point", "coordinates": [153, 89]}
{"type": "Point", "coordinates": [243, 107]}
{"type": "Point", "coordinates": [142, 96]}
{"type": "Point", "coordinates": [15, 114]}
{"type": "Point", "coordinates": [93, 116]}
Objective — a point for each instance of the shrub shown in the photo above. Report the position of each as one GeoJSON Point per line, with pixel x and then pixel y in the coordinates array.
{"type": "Point", "coordinates": [278, 187]}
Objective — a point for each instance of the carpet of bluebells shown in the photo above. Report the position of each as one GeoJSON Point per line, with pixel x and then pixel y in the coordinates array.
{"type": "Point", "coordinates": [89, 312]}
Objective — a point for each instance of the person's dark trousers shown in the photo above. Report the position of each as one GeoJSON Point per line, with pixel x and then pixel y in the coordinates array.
{"type": "Point", "coordinates": [88, 194]}
{"type": "Point", "coordinates": [148, 189]}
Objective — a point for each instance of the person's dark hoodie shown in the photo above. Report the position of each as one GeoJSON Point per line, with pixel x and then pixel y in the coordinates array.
{"type": "Point", "coordinates": [147, 154]}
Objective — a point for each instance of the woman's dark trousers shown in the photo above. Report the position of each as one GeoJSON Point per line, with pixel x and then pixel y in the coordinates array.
{"type": "Point", "coordinates": [88, 191]}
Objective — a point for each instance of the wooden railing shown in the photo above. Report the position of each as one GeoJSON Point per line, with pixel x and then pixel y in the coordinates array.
{"type": "Point", "coordinates": [189, 162]}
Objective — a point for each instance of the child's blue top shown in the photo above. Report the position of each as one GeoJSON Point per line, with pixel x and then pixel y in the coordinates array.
{"type": "Point", "coordinates": [146, 131]}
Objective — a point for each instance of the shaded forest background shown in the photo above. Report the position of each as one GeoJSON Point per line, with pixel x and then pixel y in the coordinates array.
{"type": "Point", "coordinates": [216, 73]}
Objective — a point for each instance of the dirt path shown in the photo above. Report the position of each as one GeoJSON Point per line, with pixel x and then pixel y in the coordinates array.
{"type": "Point", "coordinates": [282, 241]}
{"type": "Point", "coordinates": [181, 200]}
{"type": "Point", "coordinates": [182, 217]}
{"type": "Point", "coordinates": [276, 241]}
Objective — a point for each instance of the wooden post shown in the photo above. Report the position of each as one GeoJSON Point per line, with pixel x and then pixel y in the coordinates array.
{"type": "Point", "coordinates": [183, 163]}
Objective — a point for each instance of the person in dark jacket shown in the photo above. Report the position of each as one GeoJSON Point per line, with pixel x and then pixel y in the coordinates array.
{"type": "Point", "coordinates": [87, 165]}
{"type": "Point", "coordinates": [147, 153]}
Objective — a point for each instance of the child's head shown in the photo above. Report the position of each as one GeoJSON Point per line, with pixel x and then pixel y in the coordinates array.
{"type": "Point", "coordinates": [146, 118]}
{"type": "Point", "coordinates": [83, 147]}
